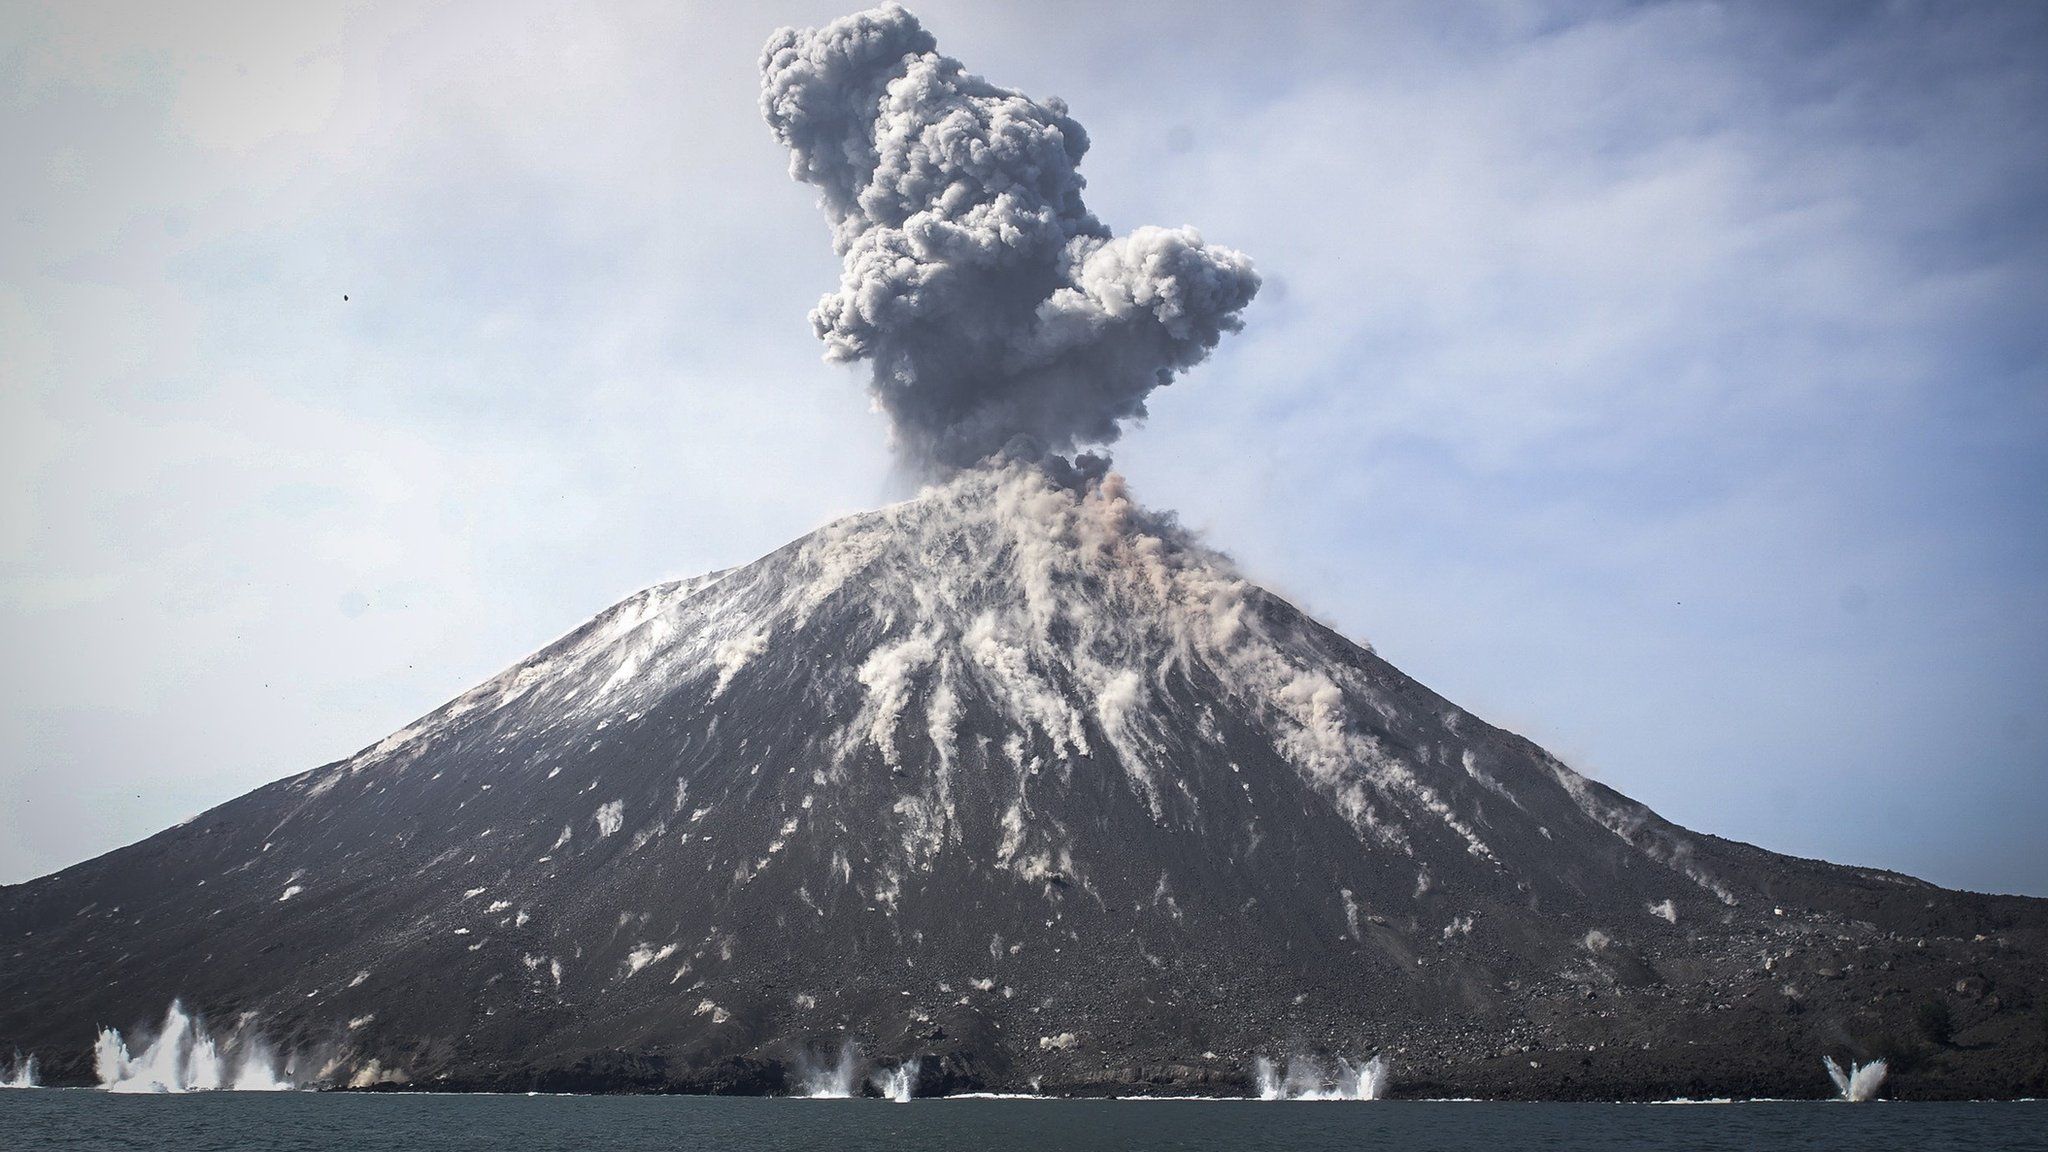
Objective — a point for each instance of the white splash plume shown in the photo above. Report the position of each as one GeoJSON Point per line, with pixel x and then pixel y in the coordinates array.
{"type": "Point", "coordinates": [1310, 1079]}
{"type": "Point", "coordinates": [898, 1083]}
{"type": "Point", "coordinates": [1859, 1082]}
{"type": "Point", "coordinates": [185, 1057]}
{"type": "Point", "coordinates": [834, 1081]}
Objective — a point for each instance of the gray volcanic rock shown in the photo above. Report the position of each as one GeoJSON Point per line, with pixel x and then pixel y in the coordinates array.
{"type": "Point", "coordinates": [1020, 782]}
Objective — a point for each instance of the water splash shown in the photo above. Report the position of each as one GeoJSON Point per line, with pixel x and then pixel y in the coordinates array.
{"type": "Point", "coordinates": [1307, 1079]}
{"type": "Point", "coordinates": [835, 1081]}
{"type": "Point", "coordinates": [185, 1057]}
{"type": "Point", "coordinates": [20, 1074]}
{"type": "Point", "coordinates": [1860, 1082]}
{"type": "Point", "coordinates": [1368, 1080]}
{"type": "Point", "coordinates": [898, 1083]}
{"type": "Point", "coordinates": [261, 1070]}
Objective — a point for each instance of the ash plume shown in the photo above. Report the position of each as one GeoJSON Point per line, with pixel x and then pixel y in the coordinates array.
{"type": "Point", "coordinates": [995, 309]}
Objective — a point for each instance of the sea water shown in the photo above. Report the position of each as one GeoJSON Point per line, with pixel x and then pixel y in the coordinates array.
{"type": "Point", "coordinates": [304, 1122]}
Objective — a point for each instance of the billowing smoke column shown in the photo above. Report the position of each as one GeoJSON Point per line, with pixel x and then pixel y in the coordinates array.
{"type": "Point", "coordinates": [994, 308]}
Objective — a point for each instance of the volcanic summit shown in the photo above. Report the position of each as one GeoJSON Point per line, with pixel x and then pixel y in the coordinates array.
{"type": "Point", "coordinates": [1017, 781]}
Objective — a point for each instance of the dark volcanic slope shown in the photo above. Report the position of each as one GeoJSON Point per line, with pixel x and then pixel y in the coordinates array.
{"type": "Point", "coordinates": [1027, 786]}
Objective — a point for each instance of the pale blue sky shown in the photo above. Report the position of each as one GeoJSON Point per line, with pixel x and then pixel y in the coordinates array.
{"type": "Point", "coordinates": [1666, 382]}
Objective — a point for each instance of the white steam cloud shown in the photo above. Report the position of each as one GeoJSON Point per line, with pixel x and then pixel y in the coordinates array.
{"type": "Point", "coordinates": [991, 304]}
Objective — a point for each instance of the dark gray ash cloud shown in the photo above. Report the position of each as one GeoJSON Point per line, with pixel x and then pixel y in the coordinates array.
{"type": "Point", "coordinates": [991, 304]}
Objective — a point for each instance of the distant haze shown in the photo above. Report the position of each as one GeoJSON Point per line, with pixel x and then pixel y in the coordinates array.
{"type": "Point", "coordinates": [1663, 381]}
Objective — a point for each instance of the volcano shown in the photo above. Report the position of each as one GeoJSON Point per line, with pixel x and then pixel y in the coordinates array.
{"type": "Point", "coordinates": [1014, 786]}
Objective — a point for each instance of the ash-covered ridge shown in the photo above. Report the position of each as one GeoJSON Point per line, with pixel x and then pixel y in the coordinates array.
{"type": "Point", "coordinates": [1020, 782]}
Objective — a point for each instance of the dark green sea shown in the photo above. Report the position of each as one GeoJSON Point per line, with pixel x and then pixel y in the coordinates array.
{"type": "Point", "coordinates": [287, 1122]}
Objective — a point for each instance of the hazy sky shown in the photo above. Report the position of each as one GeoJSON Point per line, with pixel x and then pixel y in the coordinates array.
{"type": "Point", "coordinates": [1666, 382]}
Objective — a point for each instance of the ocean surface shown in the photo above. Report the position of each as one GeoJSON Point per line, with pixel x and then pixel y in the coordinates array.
{"type": "Point", "coordinates": [278, 1122]}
